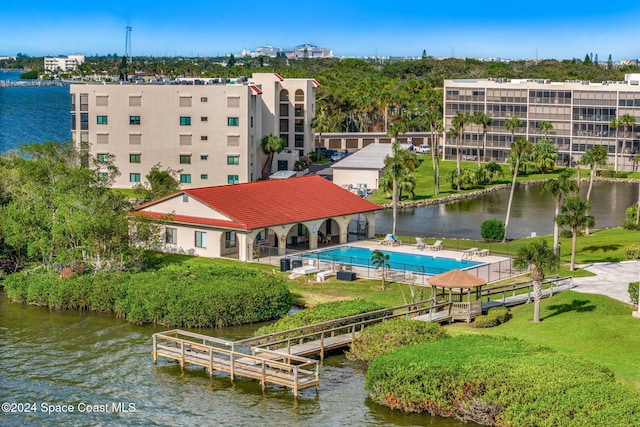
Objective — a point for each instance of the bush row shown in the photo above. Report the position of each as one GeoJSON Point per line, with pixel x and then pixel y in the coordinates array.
{"type": "Point", "coordinates": [318, 314]}
{"type": "Point", "coordinates": [174, 296]}
{"type": "Point", "coordinates": [387, 336]}
{"type": "Point", "coordinates": [501, 381]}
{"type": "Point", "coordinates": [632, 251]}
{"type": "Point", "coordinates": [494, 317]}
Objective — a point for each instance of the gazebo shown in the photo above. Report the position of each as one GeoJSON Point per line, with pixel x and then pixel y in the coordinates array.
{"type": "Point", "coordinates": [452, 287]}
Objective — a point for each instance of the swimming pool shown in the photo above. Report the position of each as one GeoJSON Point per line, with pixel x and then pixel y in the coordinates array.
{"type": "Point", "coordinates": [417, 263]}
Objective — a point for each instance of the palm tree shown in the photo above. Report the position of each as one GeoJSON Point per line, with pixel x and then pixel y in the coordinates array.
{"type": "Point", "coordinates": [511, 124]}
{"type": "Point", "coordinates": [519, 149]}
{"type": "Point", "coordinates": [381, 260]}
{"type": "Point", "coordinates": [396, 163]}
{"type": "Point", "coordinates": [627, 121]}
{"type": "Point", "coordinates": [545, 127]}
{"type": "Point", "coordinates": [270, 145]}
{"type": "Point", "coordinates": [458, 123]}
{"type": "Point", "coordinates": [615, 123]}
{"type": "Point", "coordinates": [559, 188]}
{"type": "Point", "coordinates": [538, 256]}
{"type": "Point", "coordinates": [321, 123]}
{"type": "Point", "coordinates": [482, 119]}
{"type": "Point", "coordinates": [574, 214]}
{"type": "Point", "coordinates": [544, 156]}
{"type": "Point", "coordinates": [593, 157]}
{"type": "Point", "coordinates": [434, 119]}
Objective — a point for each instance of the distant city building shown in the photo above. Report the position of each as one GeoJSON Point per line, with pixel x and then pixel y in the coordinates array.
{"type": "Point", "coordinates": [208, 129]}
{"type": "Point", "coordinates": [302, 51]}
{"type": "Point", "coordinates": [68, 63]}
{"type": "Point", "coordinates": [579, 111]}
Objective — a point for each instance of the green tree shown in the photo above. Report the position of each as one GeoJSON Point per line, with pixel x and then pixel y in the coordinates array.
{"type": "Point", "coordinates": [159, 183]}
{"type": "Point", "coordinates": [511, 124]}
{"type": "Point", "coordinates": [483, 120]}
{"type": "Point", "coordinates": [270, 145]}
{"type": "Point", "coordinates": [539, 257]}
{"type": "Point", "coordinates": [458, 122]}
{"type": "Point", "coordinates": [574, 214]}
{"type": "Point", "coordinates": [559, 188]}
{"type": "Point", "coordinates": [381, 261]}
{"type": "Point", "coordinates": [545, 127]}
{"type": "Point", "coordinates": [628, 122]}
{"type": "Point", "coordinates": [543, 156]}
{"type": "Point", "coordinates": [321, 123]}
{"type": "Point", "coordinates": [434, 119]}
{"type": "Point", "coordinates": [615, 124]}
{"type": "Point", "coordinates": [519, 149]}
{"type": "Point", "coordinates": [594, 156]}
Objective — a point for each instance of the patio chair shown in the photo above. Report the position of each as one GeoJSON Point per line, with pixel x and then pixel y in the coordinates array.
{"type": "Point", "coordinates": [388, 239]}
{"type": "Point", "coordinates": [468, 253]}
{"type": "Point", "coordinates": [395, 241]}
{"type": "Point", "coordinates": [482, 252]}
{"type": "Point", "coordinates": [327, 239]}
{"type": "Point", "coordinates": [419, 243]}
{"type": "Point", "coordinates": [436, 246]}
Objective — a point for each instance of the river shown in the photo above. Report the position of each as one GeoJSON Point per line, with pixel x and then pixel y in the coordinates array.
{"type": "Point", "coordinates": [52, 358]}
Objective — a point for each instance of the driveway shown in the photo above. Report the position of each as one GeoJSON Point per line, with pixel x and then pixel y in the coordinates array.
{"type": "Point", "coordinates": [612, 279]}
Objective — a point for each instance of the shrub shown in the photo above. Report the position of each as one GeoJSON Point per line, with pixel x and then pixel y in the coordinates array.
{"type": "Point", "coordinates": [632, 251]}
{"type": "Point", "coordinates": [492, 229]}
{"type": "Point", "coordinates": [387, 336]}
{"type": "Point", "coordinates": [318, 314]}
{"type": "Point", "coordinates": [190, 297]}
{"type": "Point", "coordinates": [629, 220]}
{"type": "Point", "coordinates": [500, 381]}
{"type": "Point", "coordinates": [566, 234]}
{"type": "Point", "coordinates": [494, 317]}
{"type": "Point", "coordinates": [633, 291]}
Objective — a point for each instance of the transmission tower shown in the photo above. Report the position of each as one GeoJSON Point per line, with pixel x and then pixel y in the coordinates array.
{"type": "Point", "coordinates": [127, 48]}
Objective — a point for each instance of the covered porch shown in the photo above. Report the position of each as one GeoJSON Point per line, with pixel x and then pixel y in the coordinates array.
{"type": "Point", "coordinates": [462, 290]}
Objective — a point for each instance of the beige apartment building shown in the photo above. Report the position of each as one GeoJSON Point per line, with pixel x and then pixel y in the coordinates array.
{"type": "Point", "coordinates": [580, 112]}
{"type": "Point", "coordinates": [208, 129]}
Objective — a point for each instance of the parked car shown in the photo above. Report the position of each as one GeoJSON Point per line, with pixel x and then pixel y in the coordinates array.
{"type": "Point", "coordinates": [338, 156]}
{"type": "Point", "coordinates": [423, 149]}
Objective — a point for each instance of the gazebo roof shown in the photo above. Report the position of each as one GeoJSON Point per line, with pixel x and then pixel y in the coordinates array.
{"type": "Point", "coordinates": [456, 279]}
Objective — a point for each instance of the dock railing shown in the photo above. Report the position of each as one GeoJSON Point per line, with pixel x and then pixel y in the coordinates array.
{"type": "Point", "coordinates": [513, 290]}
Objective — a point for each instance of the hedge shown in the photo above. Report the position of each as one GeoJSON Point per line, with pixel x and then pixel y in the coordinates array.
{"type": "Point", "coordinates": [191, 297]}
{"type": "Point", "coordinates": [501, 381]}
{"type": "Point", "coordinates": [494, 317]}
{"type": "Point", "coordinates": [633, 291]}
{"type": "Point", "coordinates": [387, 336]}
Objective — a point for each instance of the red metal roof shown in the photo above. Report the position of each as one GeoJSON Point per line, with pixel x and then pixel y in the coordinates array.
{"type": "Point", "coordinates": [267, 203]}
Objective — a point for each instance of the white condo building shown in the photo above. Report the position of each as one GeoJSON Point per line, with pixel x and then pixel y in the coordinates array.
{"type": "Point", "coordinates": [67, 63]}
{"type": "Point", "coordinates": [208, 129]}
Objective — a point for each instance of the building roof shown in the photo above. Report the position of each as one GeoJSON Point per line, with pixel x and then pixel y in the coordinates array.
{"type": "Point", "coordinates": [263, 204]}
{"type": "Point", "coordinates": [370, 157]}
{"type": "Point", "coordinates": [456, 279]}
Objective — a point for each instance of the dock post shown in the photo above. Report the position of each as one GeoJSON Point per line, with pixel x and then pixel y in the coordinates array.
{"type": "Point", "coordinates": [182, 356]}
{"type": "Point", "coordinates": [231, 365]}
{"type": "Point", "coordinates": [210, 362]}
{"type": "Point", "coordinates": [264, 376]}
{"type": "Point", "coordinates": [295, 381]}
{"type": "Point", "coordinates": [155, 350]}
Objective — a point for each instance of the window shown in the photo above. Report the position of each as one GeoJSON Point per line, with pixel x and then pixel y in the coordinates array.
{"type": "Point", "coordinates": [185, 139]}
{"type": "Point", "coordinates": [284, 109]}
{"type": "Point", "coordinates": [299, 125]}
{"type": "Point", "coordinates": [204, 157]}
{"type": "Point", "coordinates": [299, 140]}
{"type": "Point", "coordinates": [230, 240]}
{"type": "Point", "coordinates": [102, 138]}
{"type": "Point", "coordinates": [284, 125]}
{"type": "Point", "coordinates": [233, 102]}
{"type": "Point", "coordinates": [134, 158]}
{"type": "Point", "coordinates": [299, 95]}
{"type": "Point", "coordinates": [135, 138]}
{"type": "Point", "coordinates": [204, 99]}
{"type": "Point", "coordinates": [134, 177]}
{"type": "Point", "coordinates": [171, 236]}
{"type": "Point", "coordinates": [185, 198]}
{"type": "Point", "coordinates": [185, 101]}
{"type": "Point", "coordinates": [102, 101]}
{"type": "Point", "coordinates": [201, 239]}
{"type": "Point", "coordinates": [73, 102]}
{"type": "Point", "coordinates": [135, 101]}
{"type": "Point", "coordinates": [84, 121]}
{"type": "Point", "coordinates": [185, 121]}
{"type": "Point", "coordinates": [102, 157]}
{"type": "Point", "coordinates": [73, 121]}
{"type": "Point", "coordinates": [84, 102]}
{"type": "Point", "coordinates": [233, 140]}
{"type": "Point", "coordinates": [185, 178]}
{"type": "Point", "coordinates": [233, 160]}
{"type": "Point", "coordinates": [134, 120]}
{"type": "Point", "coordinates": [204, 119]}
{"type": "Point", "coordinates": [204, 138]}
{"type": "Point", "coordinates": [232, 179]}
{"type": "Point", "coordinates": [204, 176]}
{"type": "Point", "coordinates": [299, 112]}
{"type": "Point", "coordinates": [185, 159]}
{"type": "Point", "coordinates": [233, 121]}
{"type": "Point", "coordinates": [103, 176]}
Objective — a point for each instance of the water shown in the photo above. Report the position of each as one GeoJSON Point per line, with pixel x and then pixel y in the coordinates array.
{"type": "Point", "coordinates": [419, 263]}
{"type": "Point", "coordinates": [33, 114]}
{"type": "Point", "coordinates": [532, 212]}
{"type": "Point", "coordinates": [57, 358]}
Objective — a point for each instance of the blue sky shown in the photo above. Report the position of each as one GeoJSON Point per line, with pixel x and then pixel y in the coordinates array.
{"type": "Point", "coordinates": [546, 29]}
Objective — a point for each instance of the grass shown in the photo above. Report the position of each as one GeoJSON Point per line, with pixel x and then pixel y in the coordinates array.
{"type": "Point", "coordinates": [595, 327]}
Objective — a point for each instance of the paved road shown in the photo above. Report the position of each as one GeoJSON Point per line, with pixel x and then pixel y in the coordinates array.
{"type": "Point", "coordinates": [612, 279]}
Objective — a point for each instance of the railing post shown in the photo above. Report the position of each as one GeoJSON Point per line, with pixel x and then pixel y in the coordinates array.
{"type": "Point", "coordinates": [295, 381]}
{"type": "Point", "coordinates": [155, 349]}
{"type": "Point", "coordinates": [182, 355]}
{"type": "Point", "coordinates": [264, 376]}
{"type": "Point", "coordinates": [231, 365]}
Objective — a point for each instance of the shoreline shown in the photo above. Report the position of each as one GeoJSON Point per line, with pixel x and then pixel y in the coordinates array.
{"type": "Point", "coordinates": [477, 193]}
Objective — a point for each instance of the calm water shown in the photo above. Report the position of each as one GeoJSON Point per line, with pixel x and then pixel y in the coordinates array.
{"type": "Point", "coordinates": [56, 358]}
{"type": "Point", "coordinates": [424, 262]}
{"type": "Point", "coordinates": [532, 212]}
{"type": "Point", "coordinates": [33, 114]}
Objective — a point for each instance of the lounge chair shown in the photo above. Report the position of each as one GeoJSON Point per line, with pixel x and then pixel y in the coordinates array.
{"type": "Point", "coordinates": [482, 252]}
{"type": "Point", "coordinates": [395, 241]}
{"type": "Point", "coordinates": [327, 239]}
{"type": "Point", "coordinates": [468, 253]}
{"type": "Point", "coordinates": [436, 246]}
{"type": "Point", "coordinates": [388, 239]}
{"type": "Point", "coordinates": [419, 243]}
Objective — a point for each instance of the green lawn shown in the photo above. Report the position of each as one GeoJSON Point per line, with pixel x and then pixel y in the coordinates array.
{"type": "Point", "coordinates": [594, 327]}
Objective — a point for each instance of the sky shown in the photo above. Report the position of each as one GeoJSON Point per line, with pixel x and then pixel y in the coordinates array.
{"type": "Point", "coordinates": [506, 30]}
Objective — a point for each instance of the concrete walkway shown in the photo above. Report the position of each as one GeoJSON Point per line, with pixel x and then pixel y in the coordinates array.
{"type": "Point", "coordinates": [612, 279]}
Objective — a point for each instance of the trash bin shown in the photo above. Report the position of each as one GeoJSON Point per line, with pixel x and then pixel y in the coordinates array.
{"type": "Point", "coordinates": [285, 264]}
{"type": "Point", "coordinates": [296, 263]}
{"type": "Point", "coordinates": [346, 275]}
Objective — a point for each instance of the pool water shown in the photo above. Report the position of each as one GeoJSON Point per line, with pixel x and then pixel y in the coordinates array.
{"type": "Point", "coordinates": [417, 263]}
